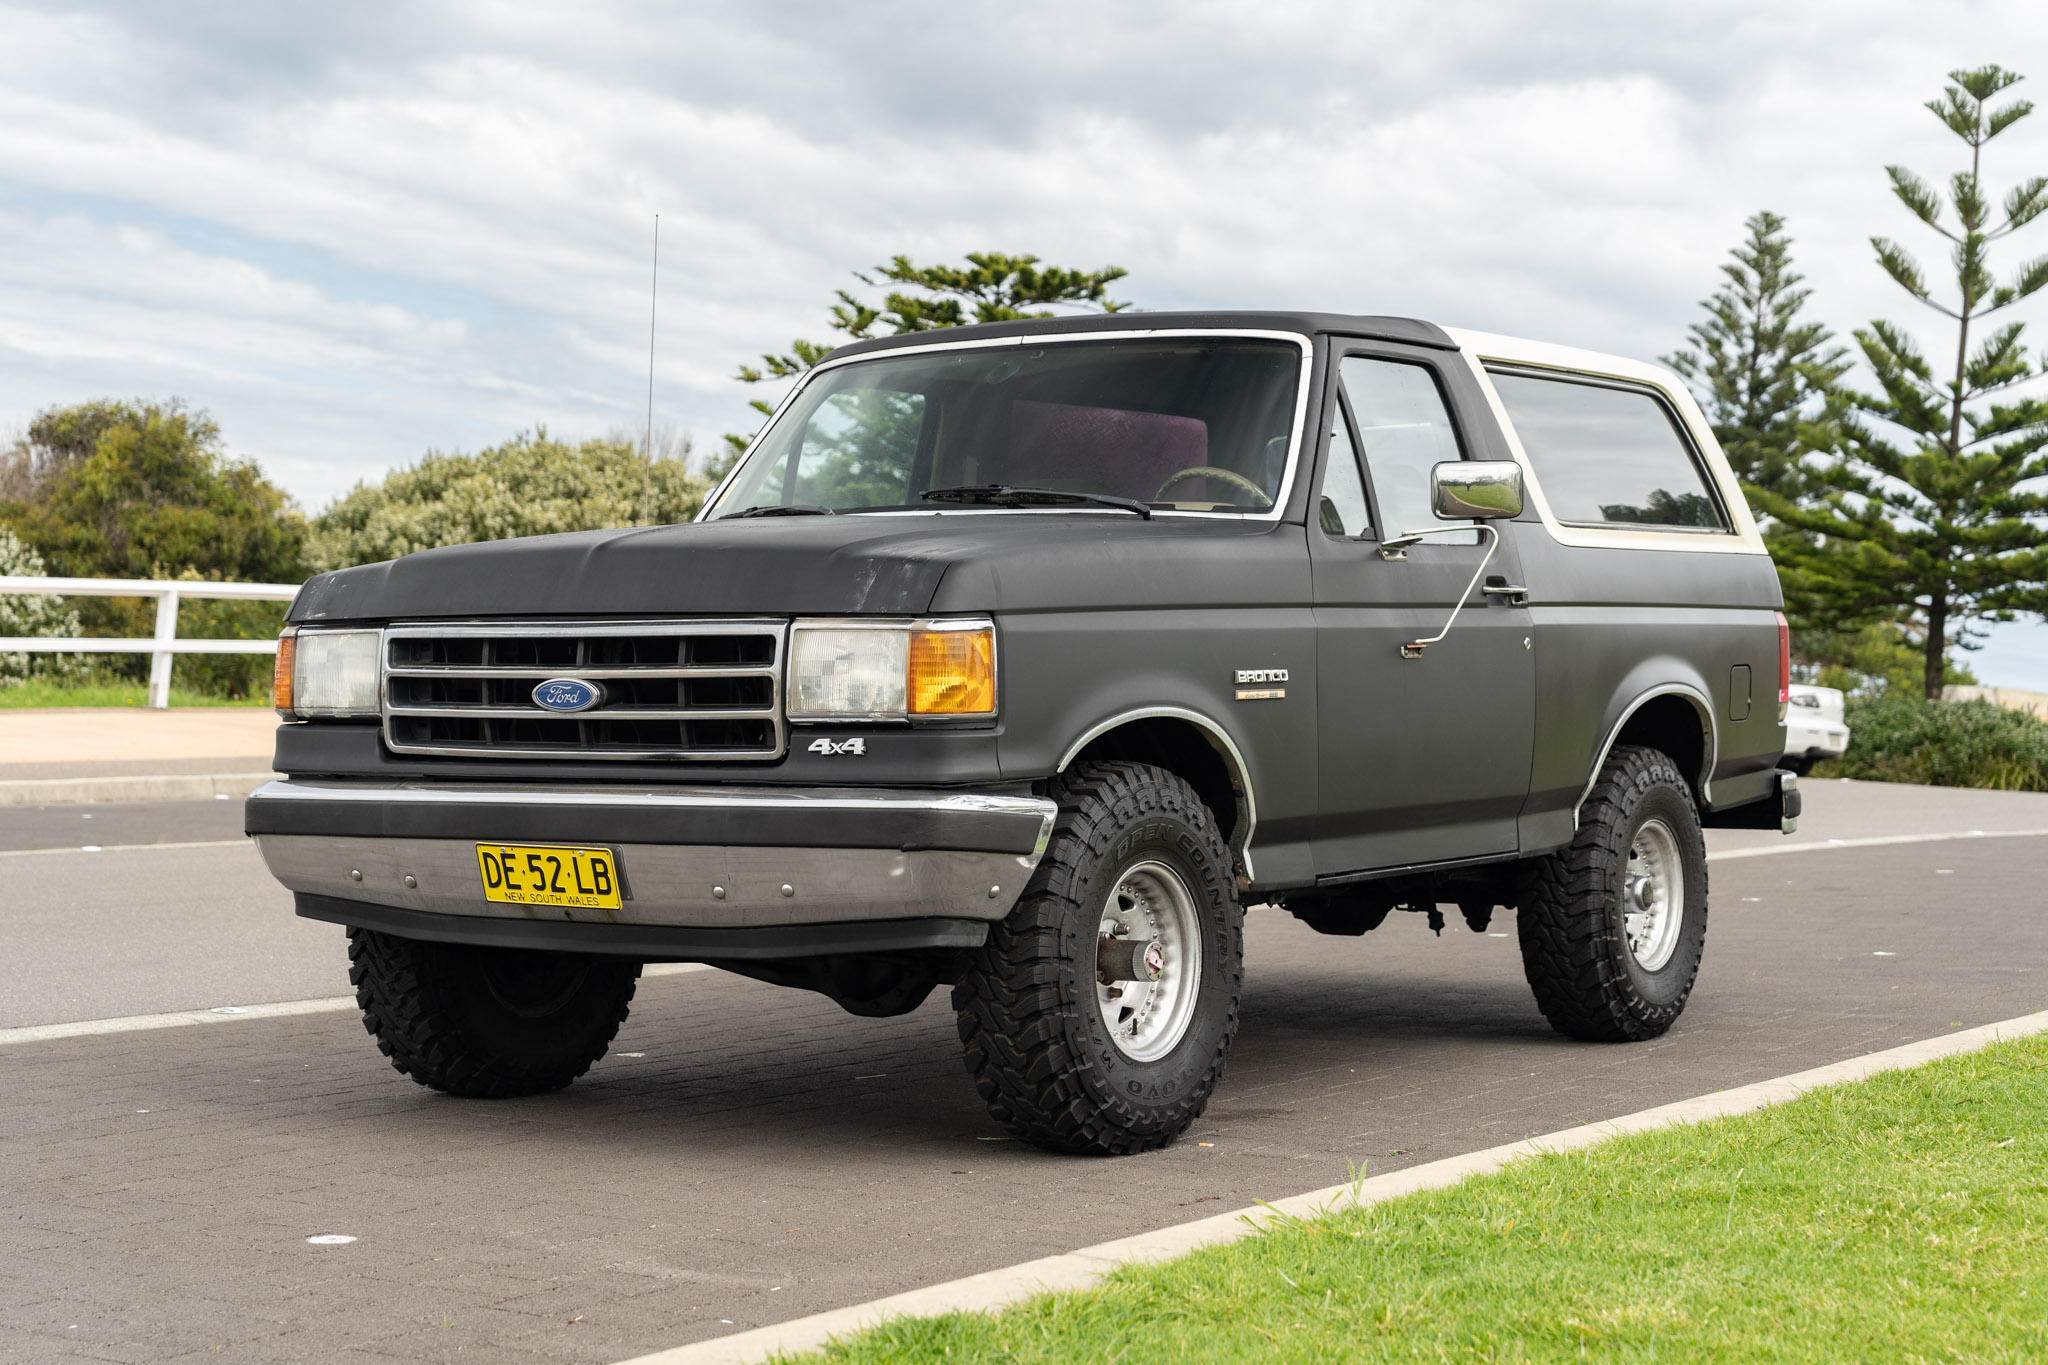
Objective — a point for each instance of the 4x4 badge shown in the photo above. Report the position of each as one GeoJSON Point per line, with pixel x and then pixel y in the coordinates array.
{"type": "Point", "coordinates": [856, 745]}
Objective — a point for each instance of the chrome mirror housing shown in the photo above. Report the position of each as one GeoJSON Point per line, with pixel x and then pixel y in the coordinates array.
{"type": "Point", "coordinates": [1467, 490]}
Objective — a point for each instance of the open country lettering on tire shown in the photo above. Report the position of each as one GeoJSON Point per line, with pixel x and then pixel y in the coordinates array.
{"type": "Point", "coordinates": [1020, 662]}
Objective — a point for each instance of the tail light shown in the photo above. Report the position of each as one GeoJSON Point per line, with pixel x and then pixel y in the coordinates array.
{"type": "Point", "coordinates": [1784, 667]}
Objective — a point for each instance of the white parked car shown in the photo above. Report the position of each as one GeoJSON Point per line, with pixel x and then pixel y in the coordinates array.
{"type": "Point", "coordinates": [1814, 728]}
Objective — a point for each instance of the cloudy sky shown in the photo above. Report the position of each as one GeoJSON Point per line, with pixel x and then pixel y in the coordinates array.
{"type": "Point", "coordinates": [358, 232]}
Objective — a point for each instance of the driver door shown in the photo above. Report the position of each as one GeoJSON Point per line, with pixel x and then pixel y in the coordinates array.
{"type": "Point", "coordinates": [1424, 759]}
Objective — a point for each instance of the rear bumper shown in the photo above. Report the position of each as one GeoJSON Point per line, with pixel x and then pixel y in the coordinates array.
{"type": "Point", "coordinates": [1779, 809]}
{"type": "Point", "coordinates": [691, 858]}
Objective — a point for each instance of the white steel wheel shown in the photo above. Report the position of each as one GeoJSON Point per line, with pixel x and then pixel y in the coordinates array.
{"type": "Point", "coordinates": [1653, 895]}
{"type": "Point", "coordinates": [1148, 961]}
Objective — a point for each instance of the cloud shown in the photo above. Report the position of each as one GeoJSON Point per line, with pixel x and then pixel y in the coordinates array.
{"type": "Point", "coordinates": [358, 232]}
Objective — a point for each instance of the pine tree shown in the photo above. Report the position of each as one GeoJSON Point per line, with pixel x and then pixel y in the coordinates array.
{"type": "Point", "coordinates": [996, 286]}
{"type": "Point", "coordinates": [1936, 529]}
{"type": "Point", "coordinates": [1755, 367]}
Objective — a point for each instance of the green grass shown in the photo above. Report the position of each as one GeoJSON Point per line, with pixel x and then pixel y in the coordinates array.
{"type": "Point", "coordinates": [1903, 1218]}
{"type": "Point", "coordinates": [36, 692]}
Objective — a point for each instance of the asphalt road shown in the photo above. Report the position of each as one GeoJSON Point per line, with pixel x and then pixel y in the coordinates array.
{"type": "Point", "coordinates": [748, 1155]}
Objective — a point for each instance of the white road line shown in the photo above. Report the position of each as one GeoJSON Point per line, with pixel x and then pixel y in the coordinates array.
{"type": "Point", "coordinates": [1823, 846]}
{"type": "Point", "coordinates": [136, 1023]}
{"type": "Point", "coordinates": [1082, 1269]}
{"type": "Point", "coordinates": [225, 1014]}
{"type": "Point", "coordinates": [126, 848]}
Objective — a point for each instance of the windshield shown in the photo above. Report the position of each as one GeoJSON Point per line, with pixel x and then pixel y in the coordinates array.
{"type": "Point", "coordinates": [1189, 425]}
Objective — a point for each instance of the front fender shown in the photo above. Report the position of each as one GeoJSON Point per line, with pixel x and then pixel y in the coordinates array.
{"type": "Point", "coordinates": [1071, 677]}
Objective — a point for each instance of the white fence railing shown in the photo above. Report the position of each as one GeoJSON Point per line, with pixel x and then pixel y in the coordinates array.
{"type": "Point", "coordinates": [160, 647]}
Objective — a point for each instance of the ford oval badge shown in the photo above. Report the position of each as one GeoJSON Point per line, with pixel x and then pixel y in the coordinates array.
{"type": "Point", "coordinates": [567, 695]}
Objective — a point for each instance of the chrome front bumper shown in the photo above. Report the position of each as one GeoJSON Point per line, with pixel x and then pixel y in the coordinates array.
{"type": "Point", "coordinates": [700, 857]}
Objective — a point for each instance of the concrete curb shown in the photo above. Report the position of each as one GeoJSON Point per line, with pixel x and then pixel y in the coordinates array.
{"type": "Point", "coordinates": [55, 791]}
{"type": "Point", "coordinates": [1086, 1267]}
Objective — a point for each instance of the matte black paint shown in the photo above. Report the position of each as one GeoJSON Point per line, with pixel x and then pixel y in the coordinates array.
{"type": "Point", "coordinates": [1480, 748]}
{"type": "Point", "coordinates": [1612, 625]}
{"type": "Point", "coordinates": [1424, 759]}
{"type": "Point", "coordinates": [1411, 330]}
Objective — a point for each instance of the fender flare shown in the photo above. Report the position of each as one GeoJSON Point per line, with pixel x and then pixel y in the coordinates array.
{"type": "Point", "coordinates": [1709, 747]}
{"type": "Point", "coordinates": [1219, 739]}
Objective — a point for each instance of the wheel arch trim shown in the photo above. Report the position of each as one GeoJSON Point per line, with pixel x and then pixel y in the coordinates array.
{"type": "Point", "coordinates": [1218, 738]}
{"type": "Point", "coordinates": [1709, 731]}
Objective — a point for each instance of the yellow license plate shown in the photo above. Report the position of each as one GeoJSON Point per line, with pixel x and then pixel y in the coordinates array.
{"type": "Point", "coordinates": [549, 874]}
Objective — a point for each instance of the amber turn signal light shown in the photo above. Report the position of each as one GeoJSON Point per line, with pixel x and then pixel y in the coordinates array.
{"type": "Point", "coordinates": [953, 672]}
{"type": "Point", "coordinates": [281, 677]}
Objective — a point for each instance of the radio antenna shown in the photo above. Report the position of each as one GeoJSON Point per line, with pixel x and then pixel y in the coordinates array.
{"type": "Point", "coordinates": [653, 292]}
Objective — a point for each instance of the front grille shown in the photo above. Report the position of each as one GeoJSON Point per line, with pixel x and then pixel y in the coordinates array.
{"type": "Point", "coordinates": [670, 689]}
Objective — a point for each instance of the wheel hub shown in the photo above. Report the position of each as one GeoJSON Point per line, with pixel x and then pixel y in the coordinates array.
{"type": "Point", "coordinates": [1148, 959]}
{"type": "Point", "coordinates": [1653, 895]}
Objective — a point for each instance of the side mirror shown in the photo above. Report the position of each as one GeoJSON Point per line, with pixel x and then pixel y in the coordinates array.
{"type": "Point", "coordinates": [1465, 490]}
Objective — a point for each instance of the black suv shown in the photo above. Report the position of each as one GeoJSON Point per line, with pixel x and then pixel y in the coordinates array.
{"type": "Point", "coordinates": [1021, 658]}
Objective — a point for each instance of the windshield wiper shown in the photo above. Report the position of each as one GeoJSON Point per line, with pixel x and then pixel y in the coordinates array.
{"type": "Point", "coordinates": [1009, 495]}
{"type": "Point", "coordinates": [792, 509]}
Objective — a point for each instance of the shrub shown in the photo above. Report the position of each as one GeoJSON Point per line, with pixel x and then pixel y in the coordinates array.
{"type": "Point", "coordinates": [32, 615]}
{"type": "Point", "coordinates": [1943, 744]}
{"type": "Point", "coordinates": [530, 485]}
{"type": "Point", "coordinates": [139, 489]}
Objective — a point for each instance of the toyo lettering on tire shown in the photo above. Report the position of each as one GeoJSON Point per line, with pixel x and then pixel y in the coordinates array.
{"type": "Point", "coordinates": [1097, 1017]}
{"type": "Point", "coordinates": [1613, 925]}
{"type": "Point", "coordinates": [488, 1023]}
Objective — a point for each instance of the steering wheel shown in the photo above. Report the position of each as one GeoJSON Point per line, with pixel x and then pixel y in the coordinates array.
{"type": "Point", "coordinates": [1209, 471]}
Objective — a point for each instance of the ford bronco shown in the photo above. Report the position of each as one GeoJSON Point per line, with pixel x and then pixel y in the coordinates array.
{"type": "Point", "coordinates": [1021, 659]}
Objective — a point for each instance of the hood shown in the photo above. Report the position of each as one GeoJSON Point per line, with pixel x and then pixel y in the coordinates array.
{"type": "Point", "coordinates": [869, 565]}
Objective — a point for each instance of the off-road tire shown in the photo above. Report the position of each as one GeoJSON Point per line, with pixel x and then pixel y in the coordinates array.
{"type": "Point", "coordinates": [1571, 915]}
{"type": "Point", "coordinates": [487, 1023]}
{"type": "Point", "coordinates": [1036, 1044]}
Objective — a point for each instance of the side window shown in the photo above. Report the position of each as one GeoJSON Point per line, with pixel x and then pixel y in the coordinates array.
{"type": "Point", "coordinates": [1343, 510]}
{"type": "Point", "coordinates": [1403, 431]}
{"type": "Point", "coordinates": [1608, 455]}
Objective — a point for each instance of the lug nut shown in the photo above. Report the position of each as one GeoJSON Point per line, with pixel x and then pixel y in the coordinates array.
{"type": "Point", "coordinates": [994, 891]}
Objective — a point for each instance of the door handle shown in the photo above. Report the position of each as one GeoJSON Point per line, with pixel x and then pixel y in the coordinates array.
{"type": "Point", "coordinates": [1517, 595]}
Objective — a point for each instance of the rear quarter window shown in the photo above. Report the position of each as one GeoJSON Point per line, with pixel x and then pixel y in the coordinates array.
{"type": "Point", "coordinates": [1607, 455]}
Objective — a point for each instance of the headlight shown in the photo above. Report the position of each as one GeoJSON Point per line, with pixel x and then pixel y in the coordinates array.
{"type": "Point", "coordinates": [328, 673]}
{"type": "Point", "coordinates": [847, 670]}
